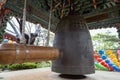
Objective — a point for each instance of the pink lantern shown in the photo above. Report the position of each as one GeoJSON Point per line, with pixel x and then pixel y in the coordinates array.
{"type": "Point", "coordinates": [118, 52]}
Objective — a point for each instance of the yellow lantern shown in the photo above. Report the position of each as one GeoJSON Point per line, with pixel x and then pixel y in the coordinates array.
{"type": "Point", "coordinates": [112, 56]}
{"type": "Point", "coordinates": [115, 60]}
{"type": "Point", "coordinates": [108, 52]}
{"type": "Point", "coordinates": [117, 64]}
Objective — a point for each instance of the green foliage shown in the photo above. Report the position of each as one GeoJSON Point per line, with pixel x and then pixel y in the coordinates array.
{"type": "Point", "coordinates": [44, 64]}
{"type": "Point", "coordinates": [1, 66]}
{"type": "Point", "coordinates": [3, 26]}
{"type": "Point", "coordinates": [22, 66]}
{"type": "Point", "coordinates": [1, 35]}
{"type": "Point", "coordinates": [105, 41]}
{"type": "Point", "coordinates": [29, 65]}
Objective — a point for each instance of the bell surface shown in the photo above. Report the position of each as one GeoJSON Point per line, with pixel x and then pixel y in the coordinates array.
{"type": "Point", "coordinates": [73, 40]}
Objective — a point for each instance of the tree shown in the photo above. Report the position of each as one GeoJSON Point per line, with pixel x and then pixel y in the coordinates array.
{"type": "Point", "coordinates": [41, 39]}
{"type": "Point", "coordinates": [105, 41]}
{"type": "Point", "coordinates": [1, 34]}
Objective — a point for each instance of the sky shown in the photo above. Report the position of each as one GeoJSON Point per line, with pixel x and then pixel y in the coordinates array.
{"type": "Point", "coordinates": [112, 31]}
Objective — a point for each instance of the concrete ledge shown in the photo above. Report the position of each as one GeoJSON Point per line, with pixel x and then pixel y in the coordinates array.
{"type": "Point", "coordinates": [47, 74]}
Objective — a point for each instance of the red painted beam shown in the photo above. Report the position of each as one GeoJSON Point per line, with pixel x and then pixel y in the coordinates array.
{"type": "Point", "coordinates": [118, 1]}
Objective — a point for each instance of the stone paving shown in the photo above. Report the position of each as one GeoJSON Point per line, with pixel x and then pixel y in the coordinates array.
{"type": "Point", "coordinates": [47, 74]}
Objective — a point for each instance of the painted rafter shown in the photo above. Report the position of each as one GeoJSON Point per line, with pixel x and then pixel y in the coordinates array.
{"type": "Point", "coordinates": [102, 11]}
{"type": "Point", "coordinates": [32, 17]}
{"type": "Point", "coordinates": [87, 8]}
{"type": "Point", "coordinates": [111, 22]}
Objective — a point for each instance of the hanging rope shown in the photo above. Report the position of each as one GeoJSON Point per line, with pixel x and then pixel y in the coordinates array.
{"type": "Point", "coordinates": [49, 25]}
{"type": "Point", "coordinates": [23, 40]}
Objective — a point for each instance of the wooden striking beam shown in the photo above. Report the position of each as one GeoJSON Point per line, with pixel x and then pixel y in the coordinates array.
{"type": "Point", "coordinates": [19, 53]}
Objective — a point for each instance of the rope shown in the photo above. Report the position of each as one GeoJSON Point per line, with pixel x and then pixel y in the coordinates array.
{"type": "Point", "coordinates": [23, 40]}
{"type": "Point", "coordinates": [49, 25]}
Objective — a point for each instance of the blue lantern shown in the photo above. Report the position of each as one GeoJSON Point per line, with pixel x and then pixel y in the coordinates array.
{"type": "Point", "coordinates": [110, 64]}
{"type": "Point", "coordinates": [104, 57]}
{"type": "Point", "coordinates": [101, 52]}
{"type": "Point", "coordinates": [107, 61]}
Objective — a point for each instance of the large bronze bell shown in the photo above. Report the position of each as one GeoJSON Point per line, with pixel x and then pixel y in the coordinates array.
{"type": "Point", "coordinates": [73, 40]}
